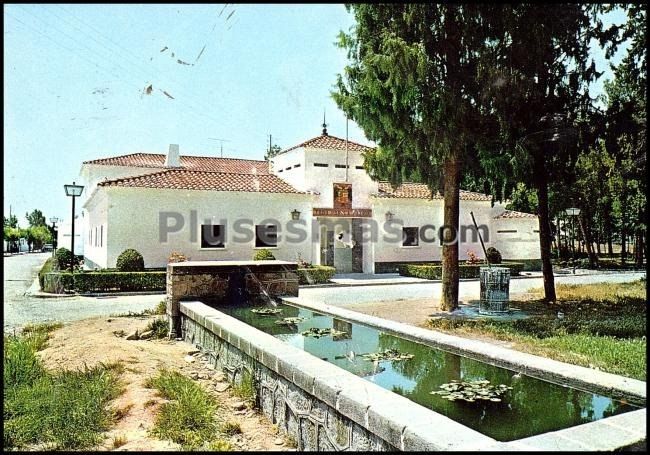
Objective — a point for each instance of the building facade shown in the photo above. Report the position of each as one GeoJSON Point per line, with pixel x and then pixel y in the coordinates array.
{"type": "Point", "coordinates": [313, 202]}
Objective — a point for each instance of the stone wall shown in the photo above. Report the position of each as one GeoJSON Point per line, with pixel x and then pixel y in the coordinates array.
{"type": "Point", "coordinates": [227, 282]}
{"type": "Point", "coordinates": [316, 403]}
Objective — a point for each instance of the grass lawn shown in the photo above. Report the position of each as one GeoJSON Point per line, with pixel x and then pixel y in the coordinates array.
{"type": "Point", "coordinates": [604, 327]}
{"type": "Point", "coordinates": [64, 410]}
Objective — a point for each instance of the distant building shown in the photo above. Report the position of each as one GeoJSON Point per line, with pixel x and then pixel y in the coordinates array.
{"type": "Point", "coordinates": [129, 200]}
{"type": "Point", "coordinates": [64, 232]}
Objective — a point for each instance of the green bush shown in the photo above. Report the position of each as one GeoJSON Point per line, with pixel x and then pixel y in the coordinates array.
{"type": "Point", "coordinates": [63, 258]}
{"type": "Point", "coordinates": [130, 261]}
{"type": "Point", "coordinates": [48, 267]}
{"type": "Point", "coordinates": [434, 272]}
{"type": "Point", "coordinates": [263, 255]}
{"type": "Point", "coordinates": [493, 255]}
{"type": "Point", "coordinates": [105, 281]}
{"type": "Point", "coordinates": [316, 274]}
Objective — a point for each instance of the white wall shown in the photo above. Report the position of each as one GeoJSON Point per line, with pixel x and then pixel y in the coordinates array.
{"type": "Point", "coordinates": [308, 177]}
{"type": "Point", "coordinates": [523, 244]}
{"type": "Point", "coordinates": [133, 220]}
{"type": "Point", "coordinates": [64, 235]}
{"type": "Point", "coordinates": [96, 231]}
{"type": "Point", "coordinates": [92, 174]}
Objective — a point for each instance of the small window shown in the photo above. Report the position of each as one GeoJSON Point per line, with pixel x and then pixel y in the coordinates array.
{"type": "Point", "coordinates": [280, 170]}
{"type": "Point", "coordinates": [507, 231]}
{"type": "Point", "coordinates": [359, 167]}
{"type": "Point", "coordinates": [101, 235]}
{"type": "Point", "coordinates": [95, 235]}
{"type": "Point", "coordinates": [288, 168]}
{"type": "Point", "coordinates": [321, 165]}
{"type": "Point", "coordinates": [341, 166]}
{"type": "Point", "coordinates": [212, 235]}
{"type": "Point", "coordinates": [296, 165]}
{"type": "Point", "coordinates": [410, 236]}
{"type": "Point", "coordinates": [536, 230]}
{"type": "Point", "coordinates": [266, 236]}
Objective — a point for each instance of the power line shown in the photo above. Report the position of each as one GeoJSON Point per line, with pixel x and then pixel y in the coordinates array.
{"type": "Point", "coordinates": [188, 110]}
{"type": "Point", "coordinates": [137, 58]}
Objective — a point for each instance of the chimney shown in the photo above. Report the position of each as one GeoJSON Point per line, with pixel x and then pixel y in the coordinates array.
{"type": "Point", "coordinates": [173, 156]}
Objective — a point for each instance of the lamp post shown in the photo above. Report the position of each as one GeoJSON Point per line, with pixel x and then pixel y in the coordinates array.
{"type": "Point", "coordinates": [73, 191]}
{"type": "Point", "coordinates": [573, 212]}
{"type": "Point", "coordinates": [54, 220]}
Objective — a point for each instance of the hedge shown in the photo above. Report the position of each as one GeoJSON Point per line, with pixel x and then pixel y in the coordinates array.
{"type": "Point", "coordinates": [105, 281]}
{"type": "Point", "coordinates": [48, 267]}
{"type": "Point", "coordinates": [316, 275]}
{"type": "Point", "coordinates": [434, 272]}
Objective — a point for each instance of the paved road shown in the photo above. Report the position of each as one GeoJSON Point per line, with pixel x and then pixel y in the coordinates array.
{"type": "Point", "coordinates": [469, 290]}
{"type": "Point", "coordinates": [20, 309]}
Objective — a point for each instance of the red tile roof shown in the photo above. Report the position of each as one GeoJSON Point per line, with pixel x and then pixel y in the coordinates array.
{"type": "Point", "coordinates": [198, 163]}
{"type": "Point", "coordinates": [183, 179]}
{"type": "Point", "coordinates": [330, 142]}
{"type": "Point", "coordinates": [513, 214]}
{"type": "Point", "coordinates": [422, 191]}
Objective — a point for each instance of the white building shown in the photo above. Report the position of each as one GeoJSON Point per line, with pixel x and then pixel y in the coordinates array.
{"type": "Point", "coordinates": [313, 201]}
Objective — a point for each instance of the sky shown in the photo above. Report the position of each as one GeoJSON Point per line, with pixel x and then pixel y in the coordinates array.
{"type": "Point", "coordinates": [76, 79]}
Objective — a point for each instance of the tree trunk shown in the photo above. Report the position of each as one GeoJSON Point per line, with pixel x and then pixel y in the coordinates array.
{"type": "Point", "coordinates": [586, 236]}
{"type": "Point", "coordinates": [451, 188]}
{"type": "Point", "coordinates": [545, 236]}
{"type": "Point", "coordinates": [607, 224]}
{"type": "Point", "coordinates": [639, 250]}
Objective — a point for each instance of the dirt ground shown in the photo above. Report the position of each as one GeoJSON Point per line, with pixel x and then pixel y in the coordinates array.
{"type": "Point", "coordinates": [90, 341]}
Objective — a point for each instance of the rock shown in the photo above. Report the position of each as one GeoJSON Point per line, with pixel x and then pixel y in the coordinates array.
{"type": "Point", "coordinates": [219, 377]}
{"type": "Point", "coordinates": [203, 376]}
{"type": "Point", "coordinates": [222, 387]}
{"type": "Point", "coordinates": [194, 375]}
{"type": "Point", "coordinates": [146, 335]}
{"type": "Point", "coordinates": [238, 405]}
{"type": "Point", "coordinates": [188, 358]}
{"type": "Point", "coordinates": [278, 441]}
{"type": "Point", "coordinates": [133, 336]}
{"type": "Point", "coordinates": [209, 366]}
{"type": "Point", "coordinates": [192, 351]}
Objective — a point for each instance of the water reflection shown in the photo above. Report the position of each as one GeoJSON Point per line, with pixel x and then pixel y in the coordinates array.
{"type": "Point", "coordinates": [531, 407]}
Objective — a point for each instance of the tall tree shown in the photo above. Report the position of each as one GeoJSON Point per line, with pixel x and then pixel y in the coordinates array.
{"type": "Point", "coordinates": [11, 222]}
{"type": "Point", "coordinates": [36, 218]}
{"type": "Point", "coordinates": [273, 150]}
{"type": "Point", "coordinates": [412, 85]}
{"type": "Point", "coordinates": [538, 84]}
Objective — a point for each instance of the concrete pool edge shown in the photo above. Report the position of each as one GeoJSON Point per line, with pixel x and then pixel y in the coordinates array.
{"type": "Point", "coordinates": [540, 367]}
{"type": "Point", "coordinates": [359, 404]}
{"type": "Point", "coordinates": [398, 422]}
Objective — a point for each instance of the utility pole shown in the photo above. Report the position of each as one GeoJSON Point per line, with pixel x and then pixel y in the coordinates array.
{"type": "Point", "coordinates": [221, 140]}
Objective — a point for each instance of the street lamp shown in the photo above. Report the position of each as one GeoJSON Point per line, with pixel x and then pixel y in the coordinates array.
{"type": "Point", "coordinates": [573, 212]}
{"type": "Point", "coordinates": [73, 191]}
{"type": "Point", "coordinates": [54, 220]}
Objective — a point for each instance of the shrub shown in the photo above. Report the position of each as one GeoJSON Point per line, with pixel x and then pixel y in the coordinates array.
{"type": "Point", "coordinates": [175, 256]}
{"type": "Point", "coordinates": [130, 261]}
{"type": "Point", "coordinates": [63, 258]}
{"type": "Point", "coordinates": [434, 272]}
{"type": "Point", "coordinates": [315, 274]}
{"type": "Point", "coordinates": [472, 258]}
{"type": "Point", "coordinates": [105, 281]}
{"type": "Point", "coordinates": [263, 255]}
{"type": "Point", "coordinates": [48, 267]}
{"type": "Point", "coordinates": [493, 255]}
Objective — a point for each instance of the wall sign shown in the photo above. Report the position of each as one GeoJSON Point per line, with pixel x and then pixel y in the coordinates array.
{"type": "Point", "coordinates": [342, 212]}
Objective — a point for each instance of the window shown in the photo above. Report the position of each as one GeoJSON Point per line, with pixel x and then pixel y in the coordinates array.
{"type": "Point", "coordinates": [266, 236]}
{"type": "Point", "coordinates": [410, 236]}
{"type": "Point", "coordinates": [321, 165]}
{"type": "Point", "coordinates": [359, 167]}
{"type": "Point", "coordinates": [340, 166]}
{"type": "Point", "coordinates": [280, 170]}
{"type": "Point", "coordinates": [212, 235]}
{"type": "Point", "coordinates": [288, 168]}
{"type": "Point", "coordinates": [95, 235]}
{"type": "Point", "coordinates": [296, 165]}
{"type": "Point", "coordinates": [101, 235]}
{"type": "Point", "coordinates": [507, 231]}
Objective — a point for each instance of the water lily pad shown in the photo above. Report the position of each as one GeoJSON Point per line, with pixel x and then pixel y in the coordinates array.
{"type": "Point", "coordinates": [315, 332]}
{"type": "Point", "coordinates": [472, 391]}
{"type": "Point", "coordinates": [289, 321]}
{"type": "Point", "coordinates": [266, 311]}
